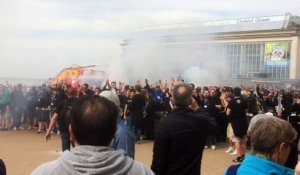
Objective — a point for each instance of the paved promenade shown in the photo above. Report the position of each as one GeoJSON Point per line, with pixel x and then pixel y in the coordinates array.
{"type": "Point", "coordinates": [22, 151]}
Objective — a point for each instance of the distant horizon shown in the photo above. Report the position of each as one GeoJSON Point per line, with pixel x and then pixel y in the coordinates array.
{"type": "Point", "coordinates": [34, 78]}
{"type": "Point", "coordinates": [23, 81]}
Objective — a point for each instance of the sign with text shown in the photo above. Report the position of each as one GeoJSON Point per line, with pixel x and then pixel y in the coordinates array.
{"type": "Point", "coordinates": [245, 20]}
{"type": "Point", "coordinates": [277, 54]}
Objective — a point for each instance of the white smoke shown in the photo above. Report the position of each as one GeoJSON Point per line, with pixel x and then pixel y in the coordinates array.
{"type": "Point", "coordinates": [200, 77]}
{"type": "Point", "coordinates": [116, 71]}
{"type": "Point", "coordinates": [159, 55]}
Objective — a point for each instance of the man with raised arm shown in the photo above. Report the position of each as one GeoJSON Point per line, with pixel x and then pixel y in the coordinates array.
{"type": "Point", "coordinates": [180, 136]}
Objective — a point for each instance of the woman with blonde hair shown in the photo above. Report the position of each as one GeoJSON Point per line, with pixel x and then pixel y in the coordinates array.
{"type": "Point", "coordinates": [271, 139]}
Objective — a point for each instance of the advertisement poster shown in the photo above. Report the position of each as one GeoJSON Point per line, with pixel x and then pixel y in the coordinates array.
{"type": "Point", "coordinates": [277, 54]}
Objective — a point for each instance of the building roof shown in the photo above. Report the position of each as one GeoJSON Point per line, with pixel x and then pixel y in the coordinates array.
{"type": "Point", "coordinates": [279, 22]}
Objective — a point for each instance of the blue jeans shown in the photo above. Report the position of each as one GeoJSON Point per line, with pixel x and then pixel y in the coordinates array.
{"type": "Point", "coordinates": [137, 133]}
{"type": "Point", "coordinates": [129, 123]}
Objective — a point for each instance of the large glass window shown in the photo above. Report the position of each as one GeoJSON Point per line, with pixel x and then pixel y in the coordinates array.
{"type": "Point", "coordinates": [264, 60]}
{"type": "Point", "coordinates": [238, 60]}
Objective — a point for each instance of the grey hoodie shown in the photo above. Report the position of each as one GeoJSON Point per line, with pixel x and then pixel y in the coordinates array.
{"type": "Point", "coordinates": [93, 160]}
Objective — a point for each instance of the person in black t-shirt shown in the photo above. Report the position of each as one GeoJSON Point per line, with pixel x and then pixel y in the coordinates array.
{"type": "Point", "coordinates": [43, 108]}
{"type": "Point", "coordinates": [236, 111]}
{"type": "Point", "coordinates": [85, 91]}
{"type": "Point", "coordinates": [127, 107]}
{"type": "Point", "coordinates": [212, 107]}
{"type": "Point", "coordinates": [137, 109]}
{"type": "Point", "coordinates": [62, 115]}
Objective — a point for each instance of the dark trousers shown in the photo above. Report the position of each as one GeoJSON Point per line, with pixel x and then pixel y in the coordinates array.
{"type": "Point", "coordinates": [137, 132]}
{"type": "Point", "coordinates": [157, 117]}
{"type": "Point", "coordinates": [222, 132]}
{"type": "Point", "coordinates": [211, 140]}
{"type": "Point", "coordinates": [129, 123]}
{"type": "Point", "coordinates": [17, 116]}
{"type": "Point", "coordinates": [149, 124]}
{"type": "Point", "coordinates": [65, 140]}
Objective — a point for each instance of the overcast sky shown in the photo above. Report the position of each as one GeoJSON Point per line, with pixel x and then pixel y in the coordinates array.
{"type": "Point", "coordinates": [38, 38]}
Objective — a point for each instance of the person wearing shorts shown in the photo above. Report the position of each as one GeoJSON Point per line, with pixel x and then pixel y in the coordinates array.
{"type": "Point", "coordinates": [43, 110]}
{"type": "Point", "coordinates": [236, 111]}
{"type": "Point", "coordinates": [231, 140]}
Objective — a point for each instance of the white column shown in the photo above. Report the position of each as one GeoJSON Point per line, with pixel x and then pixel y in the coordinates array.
{"type": "Point", "coordinates": [295, 59]}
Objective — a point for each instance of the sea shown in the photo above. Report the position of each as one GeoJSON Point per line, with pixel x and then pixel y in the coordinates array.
{"type": "Point", "coordinates": [23, 81]}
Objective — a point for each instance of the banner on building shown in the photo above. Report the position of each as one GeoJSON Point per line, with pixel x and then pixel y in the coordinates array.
{"type": "Point", "coordinates": [277, 54]}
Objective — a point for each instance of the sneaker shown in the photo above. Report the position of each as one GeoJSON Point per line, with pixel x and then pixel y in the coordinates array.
{"type": "Point", "coordinates": [39, 131]}
{"type": "Point", "coordinates": [213, 147]}
{"type": "Point", "coordinates": [29, 128]}
{"type": "Point", "coordinates": [234, 152]}
{"type": "Point", "coordinates": [239, 159]}
{"type": "Point", "coordinates": [230, 150]}
{"type": "Point", "coordinates": [58, 133]}
{"type": "Point", "coordinates": [205, 147]}
{"type": "Point", "coordinates": [21, 128]}
{"type": "Point", "coordinates": [15, 128]}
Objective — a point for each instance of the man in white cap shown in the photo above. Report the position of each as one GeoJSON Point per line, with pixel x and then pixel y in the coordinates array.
{"type": "Point", "coordinates": [124, 138]}
{"type": "Point", "coordinates": [92, 127]}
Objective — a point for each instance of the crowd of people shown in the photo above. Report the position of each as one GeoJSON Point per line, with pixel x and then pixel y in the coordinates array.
{"type": "Point", "coordinates": [182, 119]}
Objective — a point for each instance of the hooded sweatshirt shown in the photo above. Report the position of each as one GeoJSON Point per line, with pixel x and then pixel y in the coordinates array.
{"type": "Point", "coordinates": [5, 98]}
{"type": "Point", "coordinates": [92, 160]}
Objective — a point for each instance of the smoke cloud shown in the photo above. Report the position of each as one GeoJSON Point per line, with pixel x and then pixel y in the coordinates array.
{"type": "Point", "coordinates": [160, 55]}
{"type": "Point", "coordinates": [200, 77]}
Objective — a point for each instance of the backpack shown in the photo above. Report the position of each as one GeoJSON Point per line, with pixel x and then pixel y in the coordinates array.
{"type": "Point", "coordinates": [232, 170]}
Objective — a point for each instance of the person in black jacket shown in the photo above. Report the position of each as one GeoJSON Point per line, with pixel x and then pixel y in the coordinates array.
{"type": "Point", "coordinates": [31, 102]}
{"type": "Point", "coordinates": [2, 168]}
{"type": "Point", "coordinates": [149, 116]}
{"type": "Point", "coordinates": [18, 106]}
{"type": "Point", "coordinates": [180, 137]}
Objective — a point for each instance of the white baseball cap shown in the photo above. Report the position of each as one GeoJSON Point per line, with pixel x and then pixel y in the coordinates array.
{"type": "Point", "coordinates": [112, 96]}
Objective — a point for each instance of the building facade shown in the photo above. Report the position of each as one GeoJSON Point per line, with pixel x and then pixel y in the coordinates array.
{"type": "Point", "coordinates": [248, 48]}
